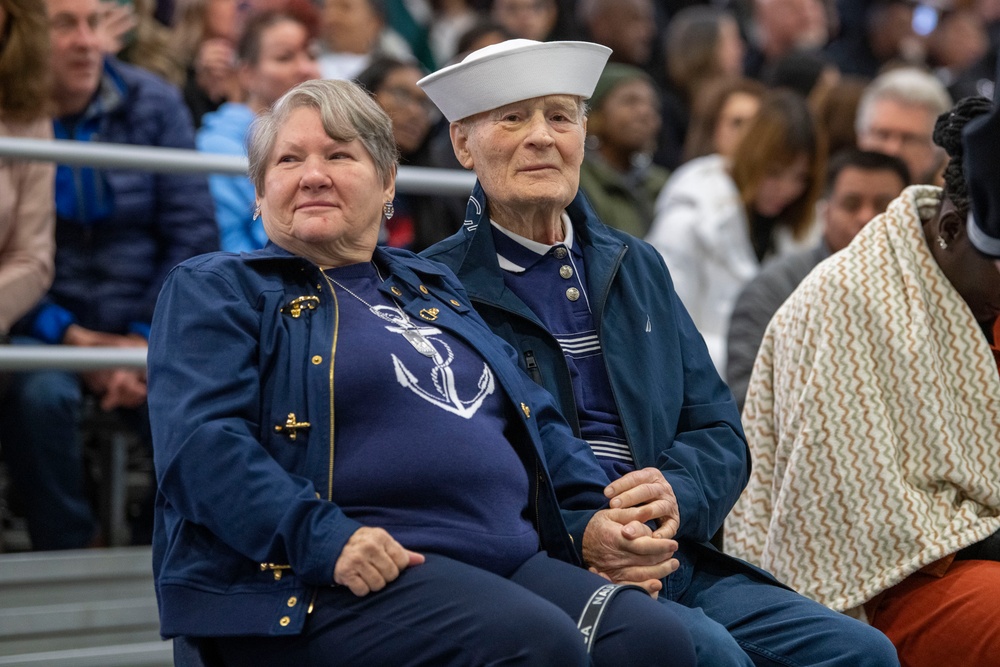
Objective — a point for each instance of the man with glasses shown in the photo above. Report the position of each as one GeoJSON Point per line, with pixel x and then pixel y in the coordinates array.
{"type": "Point", "coordinates": [896, 116]}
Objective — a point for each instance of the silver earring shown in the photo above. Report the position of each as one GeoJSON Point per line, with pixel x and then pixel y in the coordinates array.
{"type": "Point", "coordinates": [942, 243]}
{"type": "Point", "coordinates": [256, 211]}
{"type": "Point", "coordinates": [388, 210]}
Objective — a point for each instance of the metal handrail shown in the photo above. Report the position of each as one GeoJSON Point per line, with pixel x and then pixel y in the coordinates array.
{"type": "Point", "coordinates": [412, 180]}
{"type": "Point", "coordinates": [409, 180]}
{"type": "Point", "coordinates": [66, 357]}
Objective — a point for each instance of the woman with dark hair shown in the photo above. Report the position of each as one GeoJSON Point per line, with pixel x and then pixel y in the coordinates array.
{"type": "Point", "coordinates": [702, 43]}
{"type": "Point", "coordinates": [718, 219]}
{"type": "Point", "coordinates": [274, 53]}
{"type": "Point", "coordinates": [27, 218]}
{"type": "Point", "coordinates": [872, 417]}
{"type": "Point", "coordinates": [722, 110]}
{"type": "Point", "coordinates": [419, 220]}
{"type": "Point", "coordinates": [204, 36]}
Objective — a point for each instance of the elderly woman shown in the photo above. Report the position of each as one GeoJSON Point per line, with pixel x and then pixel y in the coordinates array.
{"type": "Point", "coordinates": [298, 523]}
{"type": "Point", "coordinates": [873, 414]}
{"type": "Point", "coordinates": [594, 318]}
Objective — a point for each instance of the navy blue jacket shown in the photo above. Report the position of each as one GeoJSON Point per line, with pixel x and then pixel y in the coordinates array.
{"type": "Point", "coordinates": [677, 413]}
{"type": "Point", "coordinates": [245, 531]}
{"type": "Point", "coordinates": [119, 231]}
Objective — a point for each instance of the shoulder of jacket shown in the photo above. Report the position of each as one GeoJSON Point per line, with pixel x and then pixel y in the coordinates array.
{"type": "Point", "coordinates": [450, 250]}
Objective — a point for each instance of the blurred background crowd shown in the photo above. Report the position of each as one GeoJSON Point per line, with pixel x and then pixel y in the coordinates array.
{"type": "Point", "coordinates": [709, 135]}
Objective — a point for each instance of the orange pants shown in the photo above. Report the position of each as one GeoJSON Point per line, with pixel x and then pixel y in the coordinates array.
{"type": "Point", "coordinates": [950, 619]}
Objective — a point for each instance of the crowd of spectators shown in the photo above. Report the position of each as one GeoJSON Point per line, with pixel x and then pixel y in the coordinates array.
{"type": "Point", "coordinates": [685, 81]}
{"type": "Point", "coordinates": [708, 135]}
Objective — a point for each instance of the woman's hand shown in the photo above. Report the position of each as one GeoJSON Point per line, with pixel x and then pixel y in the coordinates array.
{"type": "Point", "coordinates": [370, 560]}
{"type": "Point", "coordinates": [215, 69]}
{"type": "Point", "coordinates": [116, 22]}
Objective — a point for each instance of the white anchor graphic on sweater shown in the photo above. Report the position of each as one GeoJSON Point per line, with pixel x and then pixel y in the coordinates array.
{"type": "Point", "coordinates": [445, 393]}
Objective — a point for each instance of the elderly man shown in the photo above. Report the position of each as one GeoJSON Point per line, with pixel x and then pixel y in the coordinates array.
{"type": "Point", "coordinates": [896, 116]}
{"type": "Point", "coordinates": [859, 186]}
{"type": "Point", "coordinates": [594, 318]}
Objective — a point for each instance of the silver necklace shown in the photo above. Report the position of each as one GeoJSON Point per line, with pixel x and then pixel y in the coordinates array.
{"type": "Point", "coordinates": [396, 316]}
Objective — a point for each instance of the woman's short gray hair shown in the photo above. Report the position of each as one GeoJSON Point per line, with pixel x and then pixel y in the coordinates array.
{"type": "Point", "coordinates": [347, 113]}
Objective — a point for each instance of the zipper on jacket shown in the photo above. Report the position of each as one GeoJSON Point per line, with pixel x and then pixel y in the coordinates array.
{"type": "Point", "coordinates": [538, 486]}
{"type": "Point", "coordinates": [333, 361]}
{"type": "Point", "coordinates": [532, 365]}
{"type": "Point", "coordinates": [573, 420]}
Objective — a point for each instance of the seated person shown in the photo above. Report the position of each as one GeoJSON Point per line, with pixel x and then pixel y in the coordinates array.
{"type": "Point", "coordinates": [981, 141]}
{"type": "Point", "coordinates": [594, 319]}
{"type": "Point", "coordinates": [27, 208]}
{"type": "Point", "coordinates": [859, 186]}
{"type": "Point", "coordinates": [617, 173]}
{"type": "Point", "coordinates": [118, 233]}
{"type": "Point", "coordinates": [872, 416]}
{"type": "Point", "coordinates": [896, 115]}
{"type": "Point", "coordinates": [273, 54]}
{"type": "Point", "coordinates": [289, 499]}
{"type": "Point", "coordinates": [722, 111]}
{"type": "Point", "coordinates": [420, 219]}
{"type": "Point", "coordinates": [717, 219]}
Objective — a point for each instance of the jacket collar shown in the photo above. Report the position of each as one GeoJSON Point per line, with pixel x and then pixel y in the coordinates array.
{"type": "Point", "coordinates": [480, 270]}
{"type": "Point", "coordinates": [402, 265]}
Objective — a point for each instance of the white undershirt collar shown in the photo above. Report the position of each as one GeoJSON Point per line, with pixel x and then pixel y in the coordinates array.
{"type": "Point", "coordinates": [533, 246]}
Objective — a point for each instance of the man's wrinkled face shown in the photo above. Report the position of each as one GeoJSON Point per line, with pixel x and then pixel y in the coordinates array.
{"type": "Point", "coordinates": [527, 155]}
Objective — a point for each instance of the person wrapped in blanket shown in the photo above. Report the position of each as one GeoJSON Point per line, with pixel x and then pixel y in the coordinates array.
{"type": "Point", "coordinates": [873, 416]}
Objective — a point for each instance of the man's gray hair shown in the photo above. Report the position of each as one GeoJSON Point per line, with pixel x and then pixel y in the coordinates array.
{"type": "Point", "coordinates": [347, 113]}
{"type": "Point", "coordinates": [908, 86]}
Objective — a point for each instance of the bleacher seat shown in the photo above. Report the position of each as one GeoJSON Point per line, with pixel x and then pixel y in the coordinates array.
{"type": "Point", "coordinates": [90, 608]}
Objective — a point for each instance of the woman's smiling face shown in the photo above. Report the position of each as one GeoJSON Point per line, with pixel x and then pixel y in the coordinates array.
{"type": "Point", "coordinates": [321, 198]}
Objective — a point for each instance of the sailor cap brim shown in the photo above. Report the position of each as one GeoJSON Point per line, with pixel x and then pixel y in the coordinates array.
{"type": "Point", "coordinates": [515, 70]}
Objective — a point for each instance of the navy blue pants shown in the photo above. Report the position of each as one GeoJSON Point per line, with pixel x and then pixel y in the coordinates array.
{"type": "Point", "coordinates": [447, 613]}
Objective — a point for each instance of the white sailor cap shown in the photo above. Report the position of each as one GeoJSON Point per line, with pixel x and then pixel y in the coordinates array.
{"type": "Point", "coordinates": [515, 70]}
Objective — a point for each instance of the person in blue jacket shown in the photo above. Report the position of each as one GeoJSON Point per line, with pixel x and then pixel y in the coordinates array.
{"type": "Point", "coordinates": [594, 318]}
{"type": "Point", "coordinates": [273, 54]}
{"type": "Point", "coordinates": [118, 233]}
{"type": "Point", "coordinates": [352, 469]}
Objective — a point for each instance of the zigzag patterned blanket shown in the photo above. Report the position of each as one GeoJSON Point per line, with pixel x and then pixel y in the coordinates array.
{"type": "Point", "coordinates": [873, 418]}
